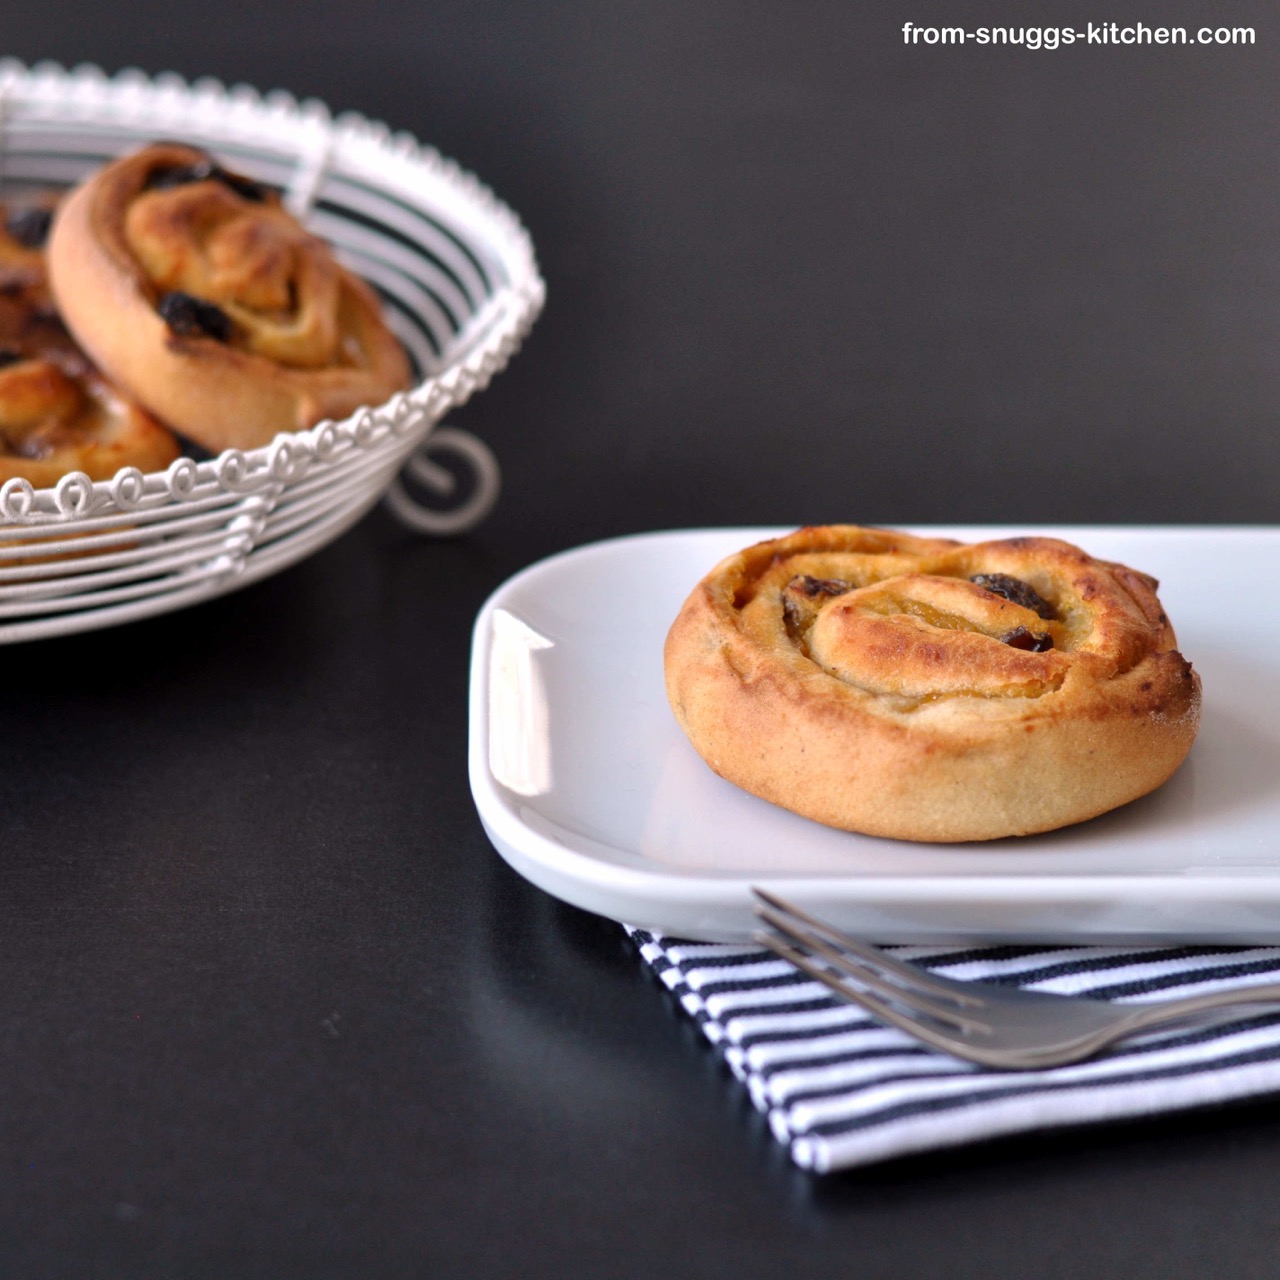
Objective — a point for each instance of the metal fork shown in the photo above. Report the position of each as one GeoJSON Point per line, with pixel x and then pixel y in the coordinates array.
{"type": "Point", "coordinates": [981, 1022]}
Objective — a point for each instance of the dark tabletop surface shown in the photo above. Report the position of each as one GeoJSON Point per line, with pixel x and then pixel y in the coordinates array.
{"type": "Point", "coordinates": [270, 1003]}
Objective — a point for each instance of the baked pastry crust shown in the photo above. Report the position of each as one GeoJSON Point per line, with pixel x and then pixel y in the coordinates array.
{"type": "Point", "coordinates": [57, 412]}
{"type": "Point", "coordinates": [265, 330]}
{"type": "Point", "coordinates": [24, 227]}
{"type": "Point", "coordinates": [860, 677]}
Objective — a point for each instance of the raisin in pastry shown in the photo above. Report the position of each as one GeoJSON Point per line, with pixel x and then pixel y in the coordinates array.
{"type": "Point", "coordinates": [195, 289]}
{"type": "Point", "coordinates": [57, 412]}
{"type": "Point", "coordinates": [24, 228]}
{"type": "Point", "coordinates": [927, 689]}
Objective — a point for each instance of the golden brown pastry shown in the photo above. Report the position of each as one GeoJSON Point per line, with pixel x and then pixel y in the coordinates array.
{"type": "Point", "coordinates": [57, 412]}
{"type": "Point", "coordinates": [24, 228]}
{"type": "Point", "coordinates": [926, 689]}
{"type": "Point", "coordinates": [196, 290]}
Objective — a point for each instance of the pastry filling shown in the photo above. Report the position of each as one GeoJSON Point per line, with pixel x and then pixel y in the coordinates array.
{"type": "Point", "coordinates": [1010, 588]}
{"type": "Point", "coordinates": [38, 406]}
{"type": "Point", "coordinates": [1031, 641]}
{"type": "Point", "coordinates": [228, 262]}
{"type": "Point", "coordinates": [29, 227]}
{"type": "Point", "coordinates": [192, 317]}
{"type": "Point", "coordinates": [926, 635]}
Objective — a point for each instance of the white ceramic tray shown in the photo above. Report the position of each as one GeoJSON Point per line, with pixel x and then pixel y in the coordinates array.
{"type": "Point", "coordinates": [587, 786]}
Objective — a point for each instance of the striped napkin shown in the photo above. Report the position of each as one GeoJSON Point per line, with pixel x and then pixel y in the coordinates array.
{"type": "Point", "coordinates": [840, 1089]}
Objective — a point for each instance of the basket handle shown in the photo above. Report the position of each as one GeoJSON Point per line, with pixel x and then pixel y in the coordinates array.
{"type": "Point", "coordinates": [461, 497]}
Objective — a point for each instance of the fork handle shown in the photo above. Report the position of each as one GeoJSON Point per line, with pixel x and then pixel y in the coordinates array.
{"type": "Point", "coordinates": [1160, 1012]}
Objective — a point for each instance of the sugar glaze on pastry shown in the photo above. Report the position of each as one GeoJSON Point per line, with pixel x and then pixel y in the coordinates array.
{"type": "Point", "coordinates": [926, 689]}
{"type": "Point", "coordinates": [57, 412]}
{"type": "Point", "coordinates": [196, 290]}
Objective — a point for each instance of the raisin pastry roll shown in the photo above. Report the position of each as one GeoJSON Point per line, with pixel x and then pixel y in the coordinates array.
{"type": "Point", "coordinates": [925, 689]}
{"type": "Point", "coordinates": [195, 289]}
{"type": "Point", "coordinates": [24, 229]}
{"type": "Point", "coordinates": [57, 412]}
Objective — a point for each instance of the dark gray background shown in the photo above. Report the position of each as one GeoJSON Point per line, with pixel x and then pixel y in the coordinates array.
{"type": "Point", "coordinates": [270, 1005]}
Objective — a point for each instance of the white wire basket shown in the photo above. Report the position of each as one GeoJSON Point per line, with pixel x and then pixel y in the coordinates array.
{"type": "Point", "coordinates": [461, 288]}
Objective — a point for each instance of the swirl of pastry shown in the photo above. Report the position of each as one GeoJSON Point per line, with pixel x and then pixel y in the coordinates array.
{"type": "Point", "coordinates": [927, 689]}
{"type": "Point", "coordinates": [57, 412]}
{"type": "Point", "coordinates": [195, 289]}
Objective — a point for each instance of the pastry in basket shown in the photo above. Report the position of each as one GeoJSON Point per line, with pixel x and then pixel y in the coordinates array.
{"type": "Point", "coordinates": [927, 689]}
{"type": "Point", "coordinates": [24, 228]}
{"type": "Point", "coordinates": [57, 412]}
{"type": "Point", "coordinates": [195, 289]}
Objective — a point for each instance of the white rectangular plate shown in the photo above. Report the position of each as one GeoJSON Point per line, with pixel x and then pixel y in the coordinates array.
{"type": "Point", "coordinates": [588, 788]}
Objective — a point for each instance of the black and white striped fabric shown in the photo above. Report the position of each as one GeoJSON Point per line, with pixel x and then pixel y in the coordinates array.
{"type": "Point", "coordinates": [840, 1089]}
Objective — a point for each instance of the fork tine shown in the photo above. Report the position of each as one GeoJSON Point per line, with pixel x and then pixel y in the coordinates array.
{"type": "Point", "coordinates": [950, 1043]}
{"type": "Point", "coordinates": [909, 974]}
{"type": "Point", "coordinates": [919, 1003]}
